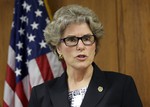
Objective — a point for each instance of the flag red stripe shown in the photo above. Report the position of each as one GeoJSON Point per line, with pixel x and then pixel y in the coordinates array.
{"type": "Point", "coordinates": [21, 94]}
{"type": "Point", "coordinates": [4, 104]}
{"type": "Point", "coordinates": [44, 67]}
{"type": "Point", "coordinates": [11, 78]}
{"type": "Point", "coordinates": [33, 67]}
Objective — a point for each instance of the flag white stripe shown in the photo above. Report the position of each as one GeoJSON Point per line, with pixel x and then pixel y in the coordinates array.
{"type": "Point", "coordinates": [11, 58]}
{"type": "Point", "coordinates": [56, 65]}
{"type": "Point", "coordinates": [34, 73]}
{"type": "Point", "coordinates": [26, 86]}
{"type": "Point", "coordinates": [17, 101]}
{"type": "Point", "coordinates": [8, 96]}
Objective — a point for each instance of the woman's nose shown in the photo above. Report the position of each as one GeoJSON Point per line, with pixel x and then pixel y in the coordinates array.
{"type": "Point", "coordinates": [80, 45]}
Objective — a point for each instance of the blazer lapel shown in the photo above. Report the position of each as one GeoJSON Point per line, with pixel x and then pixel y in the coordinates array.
{"type": "Point", "coordinates": [59, 92]}
{"type": "Point", "coordinates": [96, 89]}
{"type": "Point", "coordinates": [95, 92]}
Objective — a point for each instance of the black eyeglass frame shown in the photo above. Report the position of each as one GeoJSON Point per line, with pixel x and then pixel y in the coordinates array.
{"type": "Point", "coordinates": [78, 38]}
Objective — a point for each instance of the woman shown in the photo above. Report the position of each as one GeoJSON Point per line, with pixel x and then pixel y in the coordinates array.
{"type": "Point", "coordinates": [74, 36]}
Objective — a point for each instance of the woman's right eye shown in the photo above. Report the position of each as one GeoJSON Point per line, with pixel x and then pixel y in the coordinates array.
{"type": "Point", "coordinates": [71, 39]}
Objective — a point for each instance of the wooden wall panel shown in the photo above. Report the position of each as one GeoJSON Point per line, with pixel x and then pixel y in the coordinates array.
{"type": "Point", "coordinates": [6, 14]}
{"type": "Point", "coordinates": [134, 43]}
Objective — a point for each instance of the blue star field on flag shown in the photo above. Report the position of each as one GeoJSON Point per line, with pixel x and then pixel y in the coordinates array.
{"type": "Point", "coordinates": [27, 38]}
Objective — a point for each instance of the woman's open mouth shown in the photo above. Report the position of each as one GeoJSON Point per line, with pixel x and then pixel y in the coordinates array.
{"type": "Point", "coordinates": [81, 57]}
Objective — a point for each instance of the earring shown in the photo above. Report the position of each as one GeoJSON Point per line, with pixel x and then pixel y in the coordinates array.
{"type": "Point", "coordinates": [60, 56]}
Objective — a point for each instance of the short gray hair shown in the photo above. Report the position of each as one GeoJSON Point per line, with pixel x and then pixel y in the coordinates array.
{"type": "Point", "coordinates": [71, 14]}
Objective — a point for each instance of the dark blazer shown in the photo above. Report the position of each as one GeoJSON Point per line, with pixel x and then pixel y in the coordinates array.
{"type": "Point", "coordinates": [106, 89]}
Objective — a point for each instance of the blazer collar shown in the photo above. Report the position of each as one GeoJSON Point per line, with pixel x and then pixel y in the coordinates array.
{"type": "Point", "coordinates": [59, 92]}
{"type": "Point", "coordinates": [96, 89]}
{"type": "Point", "coordinates": [95, 92]}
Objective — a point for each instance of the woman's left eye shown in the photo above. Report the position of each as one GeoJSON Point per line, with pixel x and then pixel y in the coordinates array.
{"type": "Point", "coordinates": [86, 38]}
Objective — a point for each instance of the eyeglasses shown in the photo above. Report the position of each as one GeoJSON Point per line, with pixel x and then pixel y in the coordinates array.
{"type": "Point", "coordinates": [73, 40]}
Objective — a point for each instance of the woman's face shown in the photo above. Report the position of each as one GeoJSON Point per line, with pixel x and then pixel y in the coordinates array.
{"type": "Point", "coordinates": [79, 56]}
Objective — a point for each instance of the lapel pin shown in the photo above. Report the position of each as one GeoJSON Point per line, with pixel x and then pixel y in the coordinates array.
{"type": "Point", "coordinates": [100, 88]}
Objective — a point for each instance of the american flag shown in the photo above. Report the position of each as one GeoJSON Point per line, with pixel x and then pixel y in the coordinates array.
{"type": "Point", "coordinates": [30, 60]}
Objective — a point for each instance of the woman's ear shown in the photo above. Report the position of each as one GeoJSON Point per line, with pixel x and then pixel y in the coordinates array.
{"type": "Point", "coordinates": [58, 50]}
{"type": "Point", "coordinates": [59, 53]}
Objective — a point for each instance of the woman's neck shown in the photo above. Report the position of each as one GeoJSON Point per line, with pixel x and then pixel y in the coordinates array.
{"type": "Point", "coordinates": [79, 78]}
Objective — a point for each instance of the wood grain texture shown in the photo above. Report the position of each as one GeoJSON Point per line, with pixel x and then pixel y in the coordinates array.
{"type": "Point", "coordinates": [134, 43]}
{"type": "Point", "coordinates": [6, 14]}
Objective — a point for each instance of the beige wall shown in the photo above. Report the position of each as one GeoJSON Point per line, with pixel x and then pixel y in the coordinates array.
{"type": "Point", "coordinates": [125, 47]}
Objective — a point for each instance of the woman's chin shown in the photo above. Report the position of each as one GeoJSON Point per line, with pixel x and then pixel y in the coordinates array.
{"type": "Point", "coordinates": [82, 65]}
